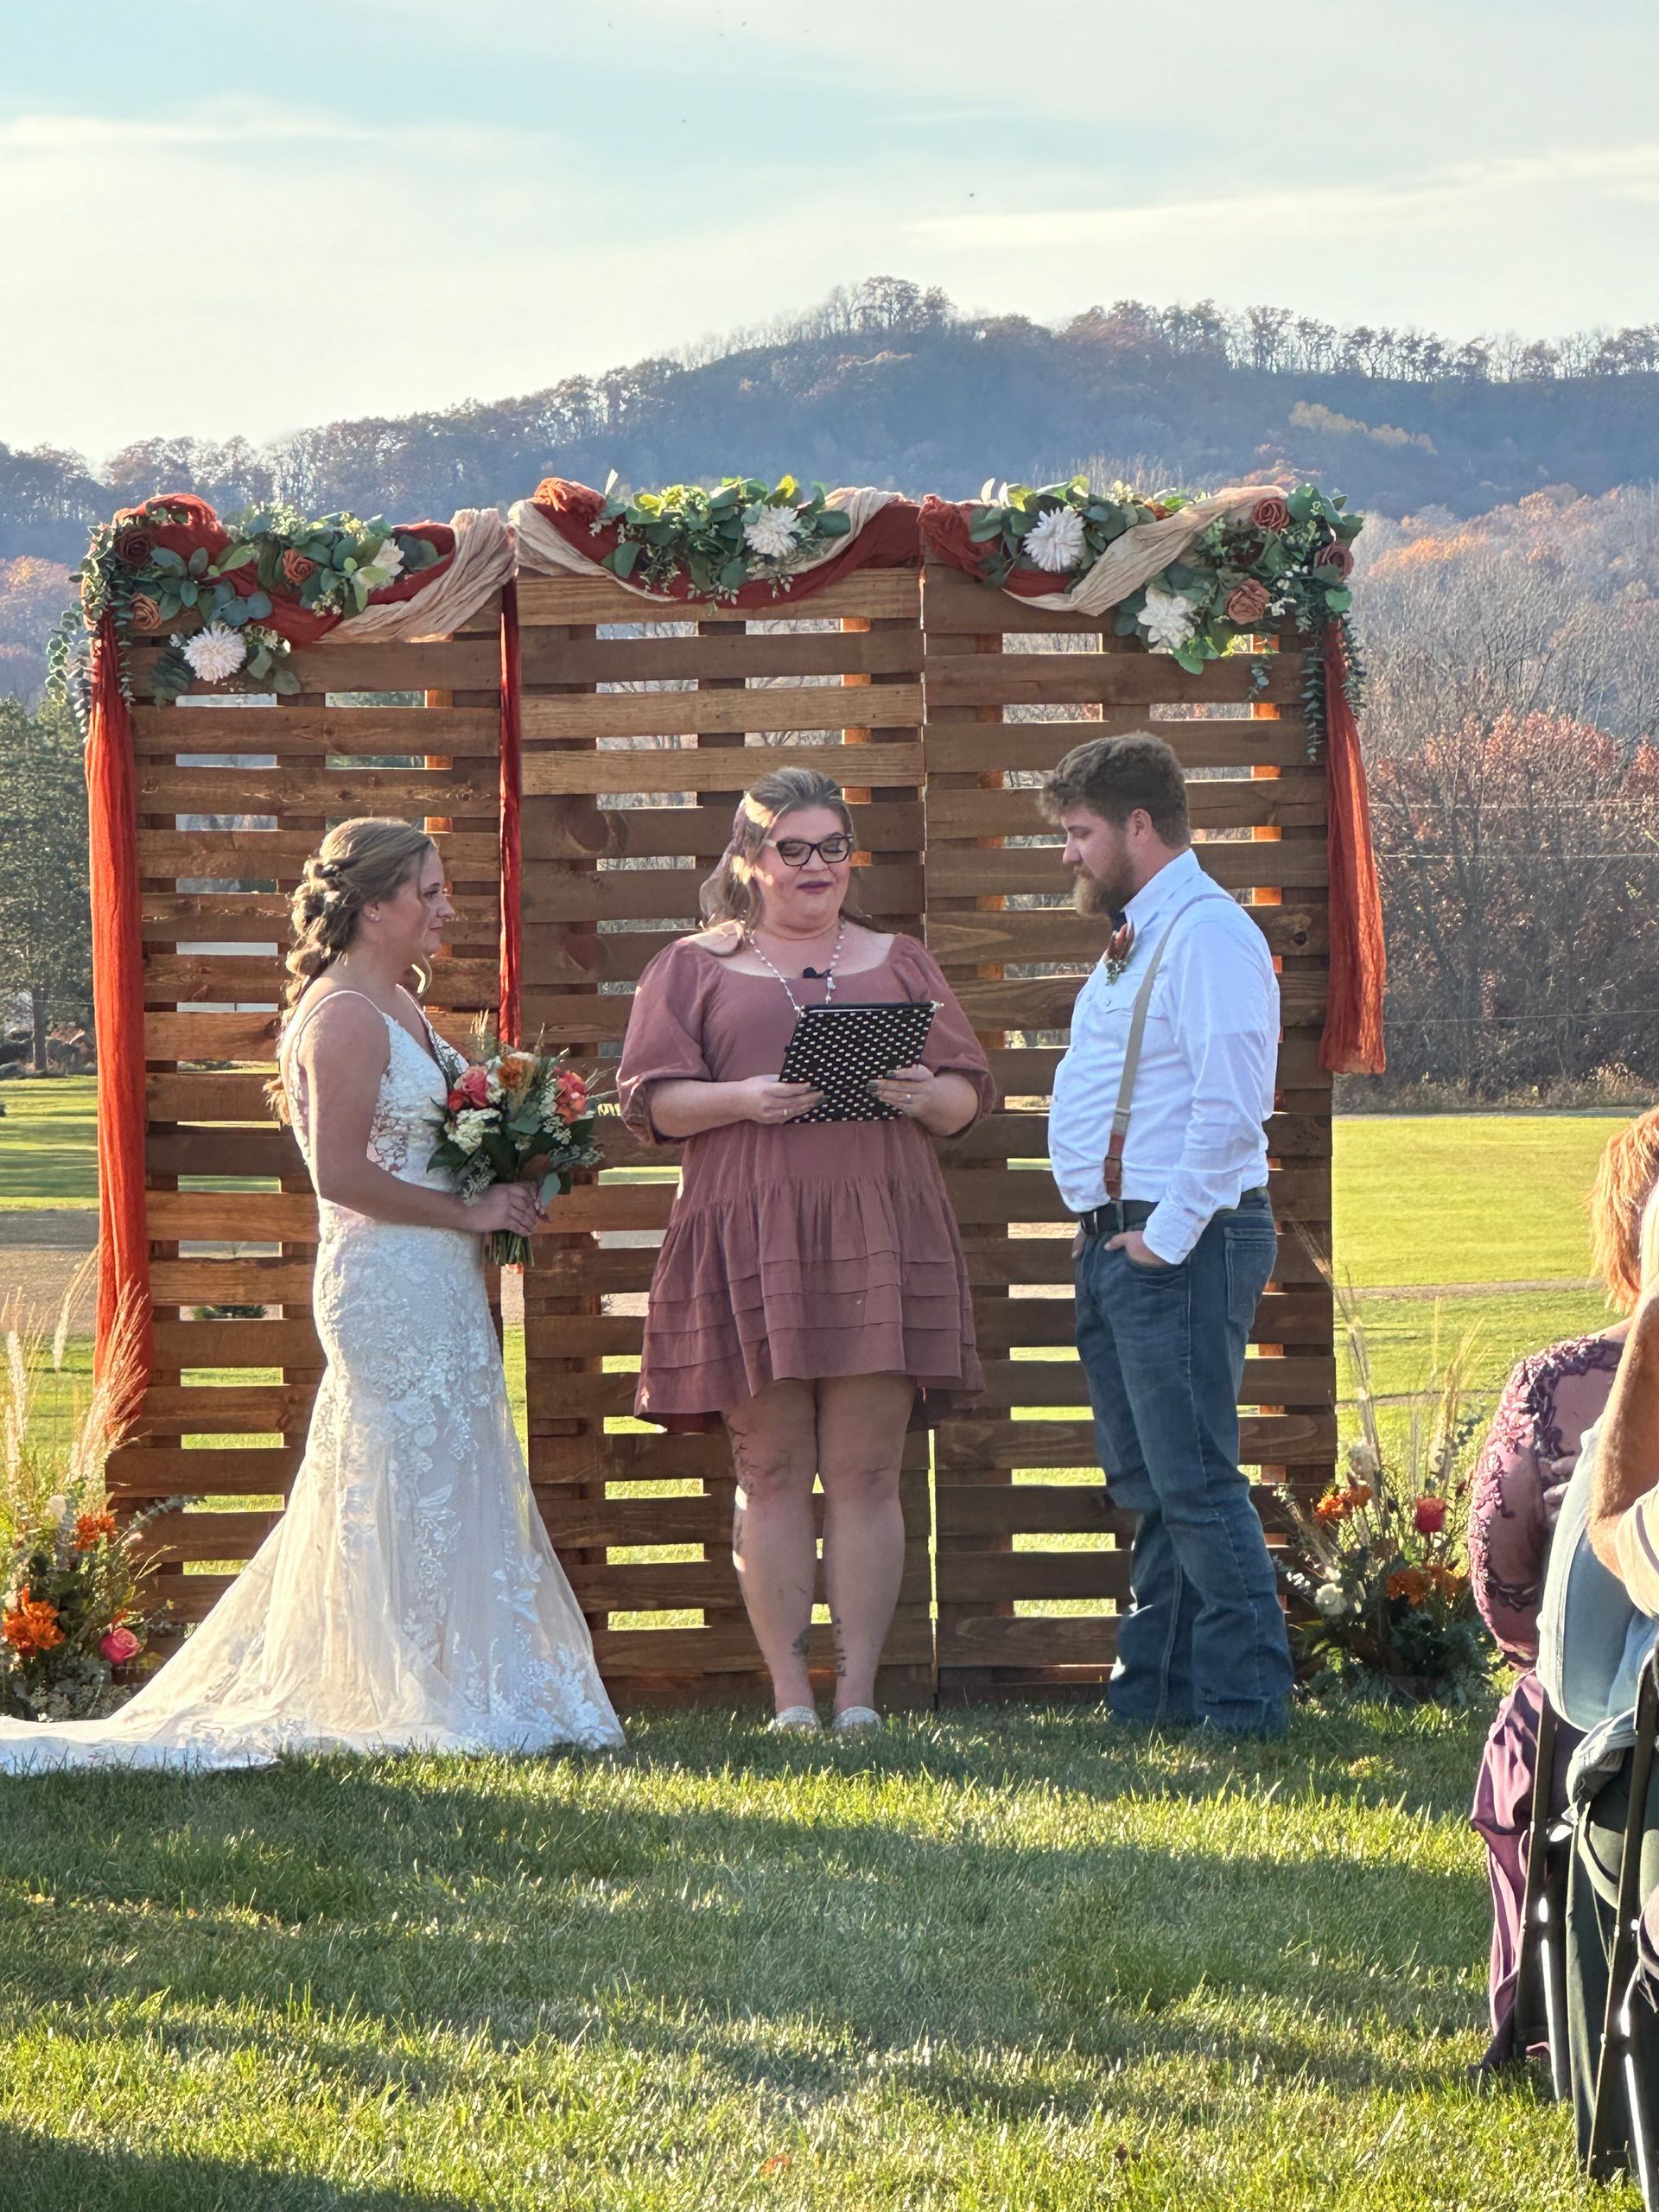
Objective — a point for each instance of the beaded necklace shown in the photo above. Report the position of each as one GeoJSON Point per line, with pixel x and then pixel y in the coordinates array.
{"type": "Point", "coordinates": [829, 973]}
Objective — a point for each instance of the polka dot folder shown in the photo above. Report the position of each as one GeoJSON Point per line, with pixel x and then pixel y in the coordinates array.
{"type": "Point", "coordinates": [839, 1047]}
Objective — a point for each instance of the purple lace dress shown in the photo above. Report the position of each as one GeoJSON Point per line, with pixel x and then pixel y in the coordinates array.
{"type": "Point", "coordinates": [1530, 1451]}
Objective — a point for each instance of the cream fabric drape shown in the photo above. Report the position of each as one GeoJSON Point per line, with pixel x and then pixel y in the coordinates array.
{"type": "Point", "coordinates": [484, 560]}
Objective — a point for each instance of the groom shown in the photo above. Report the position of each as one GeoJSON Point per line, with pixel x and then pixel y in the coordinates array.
{"type": "Point", "coordinates": [1156, 1140]}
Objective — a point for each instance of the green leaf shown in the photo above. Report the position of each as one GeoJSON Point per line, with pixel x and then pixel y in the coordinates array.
{"type": "Point", "coordinates": [284, 680]}
{"type": "Point", "coordinates": [620, 561]}
{"type": "Point", "coordinates": [1339, 600]}
{"type": "Point", "coordinates": [833, 524]}
{"type": "Point", "coordinates": [189, 592]}
{"type": "Point", "coordinates": [258, 605]}
{"type": "Point", "coordinates": [985, 526]}
{"type": "Point", "coordinates": [733, 575]}
{"type": "Point", "coordinates": [163, 557]}
{"type": "Point", "coordinates": [234, 556]}
{"type": "Point", "coordinates": [198, 563]}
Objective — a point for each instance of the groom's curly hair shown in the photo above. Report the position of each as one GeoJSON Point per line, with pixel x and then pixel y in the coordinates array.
{"type": "Point", "coordinates": [356, 863]}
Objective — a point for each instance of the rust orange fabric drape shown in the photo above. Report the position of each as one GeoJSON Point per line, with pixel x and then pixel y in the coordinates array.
{"type": "Point", "coordinates": [119, 1013]}
{"type": "Point", "coordinates": [1352, 1043]}
{"type": "Point", "coordinates": [510, 1016]}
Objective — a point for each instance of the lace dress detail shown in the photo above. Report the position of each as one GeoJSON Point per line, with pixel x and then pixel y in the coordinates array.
{"type": "Point", "coordinates": [409, 1597]}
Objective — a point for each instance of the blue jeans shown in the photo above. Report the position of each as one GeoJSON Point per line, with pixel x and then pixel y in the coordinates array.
{"type": "Point", "coordinates": [1164, 1350]}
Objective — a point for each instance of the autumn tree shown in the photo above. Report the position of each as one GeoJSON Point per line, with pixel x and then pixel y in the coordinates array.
{"type": "Point", "coordinates": [45, 918]}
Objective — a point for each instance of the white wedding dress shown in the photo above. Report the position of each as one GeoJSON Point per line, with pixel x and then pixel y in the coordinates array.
{"type": "Point", "coordinates": [409, 1597]}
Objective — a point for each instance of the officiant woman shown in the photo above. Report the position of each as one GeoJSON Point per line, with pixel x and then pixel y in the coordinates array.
{"type": "Point", "coordinates": [810, 1293]}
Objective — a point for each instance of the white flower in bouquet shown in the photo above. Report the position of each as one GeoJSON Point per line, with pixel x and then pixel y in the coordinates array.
{"type": "Point", "coordinates": [770, 531]}
{"type": "Point", "coordinates": [57, 1507]}
{"type": "Point", "coordinates": [1331, 1599]}
{"type": "Point", "coordinates": [387, 564]}
{"type": "Point", "coordinates": [1167, 618]}
{"type": "Point", "coordinates": [496, 1090]}
{"type": "Point", "coordinates": [1056, 542]}
{"type": "Point", "coordinates": [470, 1126]}
{"type": "Point", "coordinates": [215, 652]}
{"type": "Point", "coordinates": [1361, 1461]}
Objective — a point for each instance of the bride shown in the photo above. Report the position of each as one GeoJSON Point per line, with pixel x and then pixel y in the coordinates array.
{"type": "Point", "coordinates": [409, 1596]}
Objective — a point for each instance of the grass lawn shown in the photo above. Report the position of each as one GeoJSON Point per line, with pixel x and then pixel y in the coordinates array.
{"type": "Point", "coordinates": [47, 1135]}
{"type": "Point", "coordinates": [999, 1960]}
{"type": "Point", "coordinates": [1466, 1197]}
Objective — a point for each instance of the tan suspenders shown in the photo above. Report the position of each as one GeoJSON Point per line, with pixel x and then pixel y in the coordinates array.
{"type": "Point", "coordinates": [1112, 1166]}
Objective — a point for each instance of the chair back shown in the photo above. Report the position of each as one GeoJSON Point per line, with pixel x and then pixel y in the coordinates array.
{"type": "Point", "coordinates": [1592, 1640]}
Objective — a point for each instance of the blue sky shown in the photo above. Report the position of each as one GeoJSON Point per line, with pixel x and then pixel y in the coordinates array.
{"type": "Point", "coordinates": [224, 222]}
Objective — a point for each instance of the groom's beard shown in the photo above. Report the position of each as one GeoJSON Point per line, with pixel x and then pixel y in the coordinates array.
{"type": "Point", "coordinates": [1098, 894]}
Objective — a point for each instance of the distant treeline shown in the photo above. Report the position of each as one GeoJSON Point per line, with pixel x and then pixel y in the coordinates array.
{"type": "Point", "coordinates": [887, 383]}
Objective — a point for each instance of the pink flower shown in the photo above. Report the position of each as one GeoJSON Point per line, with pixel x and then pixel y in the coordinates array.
{"type": "Point", "coordinates": [456, 1100]}
{"type": "Point", "coordinates": [1270, 513]}
{"type": "Point", "coordinates": [474, 1086]}
{"type": "Point", "coordinates": [1430, 1515]}
{"type": "Point", "coordinates": [1335, 556]}
{"type": "Point", "coordinates": [118, 1645]}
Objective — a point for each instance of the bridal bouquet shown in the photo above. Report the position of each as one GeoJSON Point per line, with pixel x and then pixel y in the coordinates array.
{"type": "Point", "coordinates": [516, 1117]}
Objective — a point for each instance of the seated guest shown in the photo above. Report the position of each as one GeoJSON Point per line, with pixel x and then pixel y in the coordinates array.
{"type": "Point", "coordinates": [1530, 1453]}
{"type": "Point", "coordinates": [812, 1281]}
{"type": "Point", "coordinates": [1596, 1630]}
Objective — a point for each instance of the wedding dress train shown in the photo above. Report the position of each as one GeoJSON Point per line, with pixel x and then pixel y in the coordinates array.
{"type": "Point", "coordinates": [409, 1597]}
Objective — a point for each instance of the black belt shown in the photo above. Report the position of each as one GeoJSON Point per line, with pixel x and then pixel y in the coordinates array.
{"type": "Point", "coordinates": [1119, 1214]}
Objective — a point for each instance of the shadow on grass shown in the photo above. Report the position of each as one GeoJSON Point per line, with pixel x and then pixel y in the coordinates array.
{"type": "Point", "coordinates": [783, 1945]}
{"type": "Point", "coordinates": [44, 2169]}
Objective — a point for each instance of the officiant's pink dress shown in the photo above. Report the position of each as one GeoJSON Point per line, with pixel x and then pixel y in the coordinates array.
{"type": "Point", "coordinates": [808, 1249]}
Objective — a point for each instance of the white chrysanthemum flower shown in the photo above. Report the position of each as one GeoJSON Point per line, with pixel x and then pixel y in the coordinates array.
{"type": "Point", "coordinates": [1167, 618]}
{"type": "Point", "coordinates": [57, 1507]}
{"type": "Point", "coordinates": [1331, 1599]}
{"type": "Point", "coordinates": [1056, 541]}
{"type": "Point", "coordinates": [215, 652]}
{"type": "Point", "coordinates": [387, 562]}
{"type": "Point", "coordinates": [770, 531]}
{"type": "Point", "coordinates": [470, 1124]}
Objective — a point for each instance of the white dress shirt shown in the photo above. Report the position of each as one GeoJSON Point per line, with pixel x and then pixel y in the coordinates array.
{"type": "Point", "coordinates": [1204, 1085]}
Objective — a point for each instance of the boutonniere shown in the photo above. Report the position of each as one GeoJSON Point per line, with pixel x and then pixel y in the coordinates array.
{"type": "Point", "coordinates": [1119, 947]}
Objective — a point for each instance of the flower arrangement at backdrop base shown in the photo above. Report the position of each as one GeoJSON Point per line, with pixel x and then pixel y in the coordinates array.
{"type": "Point", "coordinates": [277, 573]}
{"type": "Point", "coordinates": [523, 1116]}
{"type": "Point", "coordinates": [1380, 1561]}
{"type": "Point", "coordinates": [72, 1619]}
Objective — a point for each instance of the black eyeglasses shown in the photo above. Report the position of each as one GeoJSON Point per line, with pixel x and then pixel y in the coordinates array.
{"type": "Point", "coordinates": [795, 852]}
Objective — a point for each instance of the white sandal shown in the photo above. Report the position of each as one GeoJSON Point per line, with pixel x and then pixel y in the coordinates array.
{"type": "Point", "coordinates": [795, 1720]}
{"type": "Point", "coordinates": [856, 1720]}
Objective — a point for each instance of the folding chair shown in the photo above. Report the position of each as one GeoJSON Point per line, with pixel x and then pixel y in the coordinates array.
{"type": "Point", "coordinates": [1628, 2030]}
{"type": "Point", "coordinates": [1541, 1969]}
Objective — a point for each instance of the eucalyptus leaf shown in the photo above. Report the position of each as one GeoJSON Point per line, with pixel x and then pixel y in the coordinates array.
{"type": "Point", "coordinates": [198, 562]}
{"type": "Point", "coordinates": [164, 559]}
{"type": "Point", "coordinates": [284, 680]}
{"type": "Point", "coordinates": [258, 605]}
{"type": "Point", "coordinates": [621, 560]}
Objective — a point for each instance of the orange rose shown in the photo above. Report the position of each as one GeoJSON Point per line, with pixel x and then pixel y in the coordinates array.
{"type": "Point", "coordinates": [1270, 513]}
{"type": "Point", "coordinates": [1248, 603]}
{"type": "Point", "coordinates": [1335, 556]}
{"type": "Point", "coordinates": [143, 611]}
{"type": "Point", "coordinates": [297, 567]}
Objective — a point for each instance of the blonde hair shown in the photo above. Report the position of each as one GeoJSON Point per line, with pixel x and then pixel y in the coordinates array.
{"type": "Point", "coordinates": [730, 894]}
{"type": "Point", "coordinates": [357, 863]}
{"type": "Point", "coordinates": [1620, 1208]}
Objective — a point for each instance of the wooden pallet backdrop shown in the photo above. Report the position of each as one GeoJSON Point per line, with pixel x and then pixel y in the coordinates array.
{"type": "Point", "coordinates": [1031, 1566]}
{"type": "Point", "coordinates": [640, 732]}
{"type": "Point", "coordinates": [231, 797]}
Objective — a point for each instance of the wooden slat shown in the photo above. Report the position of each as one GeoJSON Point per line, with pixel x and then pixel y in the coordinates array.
{"type": "Point", "coordinates": [993, 747]}
{"type": "Point", "coordinates": [257, 856]}
{"type": "Point", "coordinates": [1060, 934]}
{"type": "Point", "coordinates": [973, 1448]}
{"type": "Point", "coordinates": [970, 871]}
{"type": "Point", "coordinates": [1294, 800]}
{"type": "Point", "coordinates": [396, 792]}
{"type": "Point", "coordinates": [381, 732]}
{"type": "Point", "coordinates": [549, 774]}
{"type": "Point", "coordinates": [1133, 679]}
{"type": "Point", "coordinates": [670, 893]}
{"type": "Point", "coordinates": [679, 714]}
{"type": "Point", "coordinates": [449, 665]}
{"type": "Point", "coordinates": [252, 1036]}
{"type": "Point", "coordinates": [654, 659]}
{"type": "Point", "coordinates": [881, 593]}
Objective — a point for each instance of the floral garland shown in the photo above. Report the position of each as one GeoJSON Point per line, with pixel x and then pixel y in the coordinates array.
{"type": "Point", "coordinates": [747, 532]}
{"type": "Point", "coordinates": [278, 573]}
{"type": "Point", "coordinates": [1283, 562]}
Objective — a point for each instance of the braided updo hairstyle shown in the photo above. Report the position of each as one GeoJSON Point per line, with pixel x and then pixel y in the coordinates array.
{"type": "Point", "coordinates": [357, 864]}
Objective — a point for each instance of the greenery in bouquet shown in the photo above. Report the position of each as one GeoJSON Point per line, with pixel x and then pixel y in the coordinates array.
{"type": "Point", "coordinates": [72, 1618]}
{"type": "Point", "coordinates": [329, 566]}
{"type": "Point", "coordinates": [516, 1117]}
{"type": "Point", "coordinates": [1380, 1561]}
{"type": "Point", "coordinates": [745, 533]}
{"type": "Point", "coordinates": [1281, 565]}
